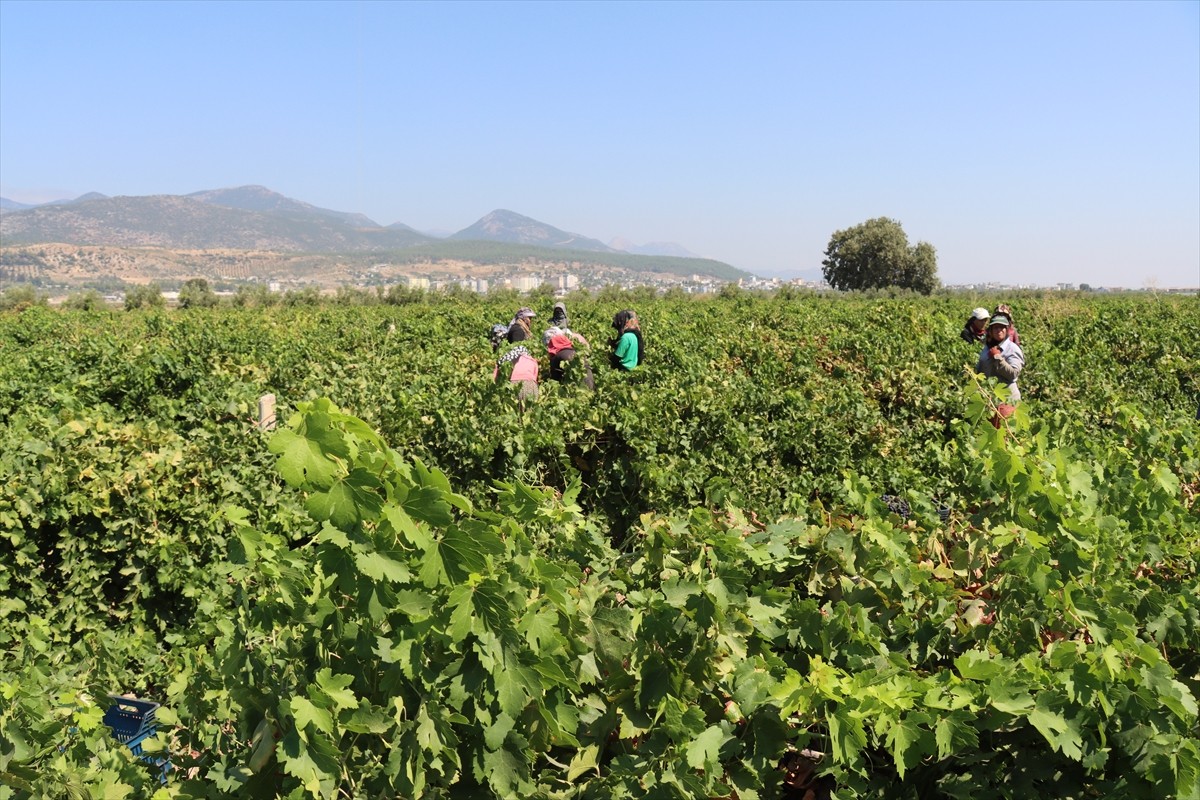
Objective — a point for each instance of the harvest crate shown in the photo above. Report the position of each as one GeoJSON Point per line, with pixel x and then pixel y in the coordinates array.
{"type": "Point", "coordinates": [132, 722]}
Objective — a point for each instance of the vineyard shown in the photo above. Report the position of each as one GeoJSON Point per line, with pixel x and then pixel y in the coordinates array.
{"type": "Point", "coordinates": [790, 557]}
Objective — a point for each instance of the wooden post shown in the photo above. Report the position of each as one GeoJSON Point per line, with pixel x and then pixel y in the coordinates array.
{"type": "Point", "coordinates": [266, 412]}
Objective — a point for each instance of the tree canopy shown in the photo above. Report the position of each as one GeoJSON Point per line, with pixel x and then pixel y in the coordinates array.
{"type": "Point", "coordinates": [147, 296]}
{"type": "Point", "coordinates": [197, 294]}
{"type": "Point", "coordinates": [876, 254]}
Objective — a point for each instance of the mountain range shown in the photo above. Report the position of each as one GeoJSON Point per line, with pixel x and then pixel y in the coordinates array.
{"type": "Point", "coordinates": [13, 205]}
{"type": "Point", "coordinates": [652, 248]}
{"type": "Point", "coordinates": [256, 218]}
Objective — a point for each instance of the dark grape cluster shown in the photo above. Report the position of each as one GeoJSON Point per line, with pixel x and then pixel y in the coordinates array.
{"type": "Point", "coordinates": [896, 505]}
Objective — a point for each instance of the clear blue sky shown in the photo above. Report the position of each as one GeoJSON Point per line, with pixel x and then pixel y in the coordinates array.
{"type": "Point", "coordinates": [1027, 141]}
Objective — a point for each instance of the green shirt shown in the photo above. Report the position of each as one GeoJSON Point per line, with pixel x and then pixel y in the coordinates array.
{"type": "Point", "coordinates": [627, 350]}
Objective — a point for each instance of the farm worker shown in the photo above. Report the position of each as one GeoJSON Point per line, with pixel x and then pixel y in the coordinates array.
{"type": "Point", "coordinates": [525, 366]}
{"type": "Point", "coordinates": [1001, 357]}
{"type": "Point", "coordinates": [518, 329]}
{"type": "Point", "coordinates": [1012, 328]}
{"type": "Point", "coordinates": [560, 345]}
{"type": "Point", "coordinates": [524, 370]}
{"type": "Point", "coordinates": [975, 328]}
{"type": "Point", "coordinates": [560, 341]}
{"type": "Point", "coordinates": [628, 348]}
{"type": "Point", "coordinates": [558, 317]}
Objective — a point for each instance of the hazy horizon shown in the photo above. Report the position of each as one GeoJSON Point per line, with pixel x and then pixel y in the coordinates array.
{"type": "Point", "coordinates": [1029, 143]}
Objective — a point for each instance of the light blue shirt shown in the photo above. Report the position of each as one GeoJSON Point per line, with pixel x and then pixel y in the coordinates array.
{"type": "Point", "coordinates": [1006, 368]}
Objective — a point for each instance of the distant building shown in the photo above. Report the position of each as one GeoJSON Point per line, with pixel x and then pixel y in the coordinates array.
{"type": "Point", "coordinates": [526, 283]}
{"type": "Point", "coordinates": [418, 283]}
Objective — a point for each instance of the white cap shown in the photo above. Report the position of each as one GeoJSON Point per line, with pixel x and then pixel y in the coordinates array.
{"type": "Point", "coordinates": [980, 313]}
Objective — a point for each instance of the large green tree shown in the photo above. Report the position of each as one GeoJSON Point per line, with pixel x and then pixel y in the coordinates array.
{"type": "Point", "coordinates": [197, 294]}
{"type": "Point", "coordinates": [876, 254]}
{"type": "Point", "coordinates": [147, 296]}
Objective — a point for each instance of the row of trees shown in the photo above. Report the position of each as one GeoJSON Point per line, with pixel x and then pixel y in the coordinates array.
{"type": "Point", "coordinates": [197, 293]}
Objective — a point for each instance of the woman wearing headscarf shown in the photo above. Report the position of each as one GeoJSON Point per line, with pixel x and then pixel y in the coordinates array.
{"type": "Point", "coordinates": [558, 317]}
{"type": "Point", "coordinates": [518, 329]}
{"type": "Point", "coordinates": [560, 341]}
{"type": "Point", "coordinates": [628, 348]}
{"type": "Point", "coordinates": [524, 368]}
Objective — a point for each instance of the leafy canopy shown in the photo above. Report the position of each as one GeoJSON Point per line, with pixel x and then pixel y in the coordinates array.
{"type": "Point", "coordinates": [876, 254]}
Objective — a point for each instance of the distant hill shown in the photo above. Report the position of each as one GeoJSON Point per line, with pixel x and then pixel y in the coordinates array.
{"type": "Point", "coordinates": [176, 222]}
{"type": "Point", "coordinates": [513, 253]}
{"type": "Point", "coordinates": [260, 198]}
{"type": "Point", "coordinates": [12, 205]}
{"type": "Point", "coordinates": [652, 248]}
{"type": "Point", "coordinates": [255, 219]}
{"type": "Point", "coordinates": [508, 226]}
{"type": "Point", "coordinates": [83, 198]}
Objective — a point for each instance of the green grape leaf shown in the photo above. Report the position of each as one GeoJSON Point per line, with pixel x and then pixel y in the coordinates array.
{"type": "Point", "coordinates": [1062, 734]}
{"type": "Point", "coordinates": [406, 527]}
{"type": "Point", "coordinates": [307, 714]}
{"type": "Point", "coordinates": [336, 688]}
{"type": "Point", "coordinates": [495, 733]}
{"type": "Point", "coordinates": [849, 737]}
{"type": "Point", "coordinates": [302, 462]}
{"type": "Point", "coordinates": [368, 720]}
{"type": "Point", "coordinates": [465, 549]}
{"type": "Point", "coordinates": [703, 752]}
{"type": "Point", "coordinates": [348, 501]}
{"type": "Point", "coordinates": [379, 567]}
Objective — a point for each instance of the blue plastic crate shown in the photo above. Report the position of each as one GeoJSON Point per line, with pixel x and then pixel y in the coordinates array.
{"type": "Point", "coordinates": [132, 722]}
